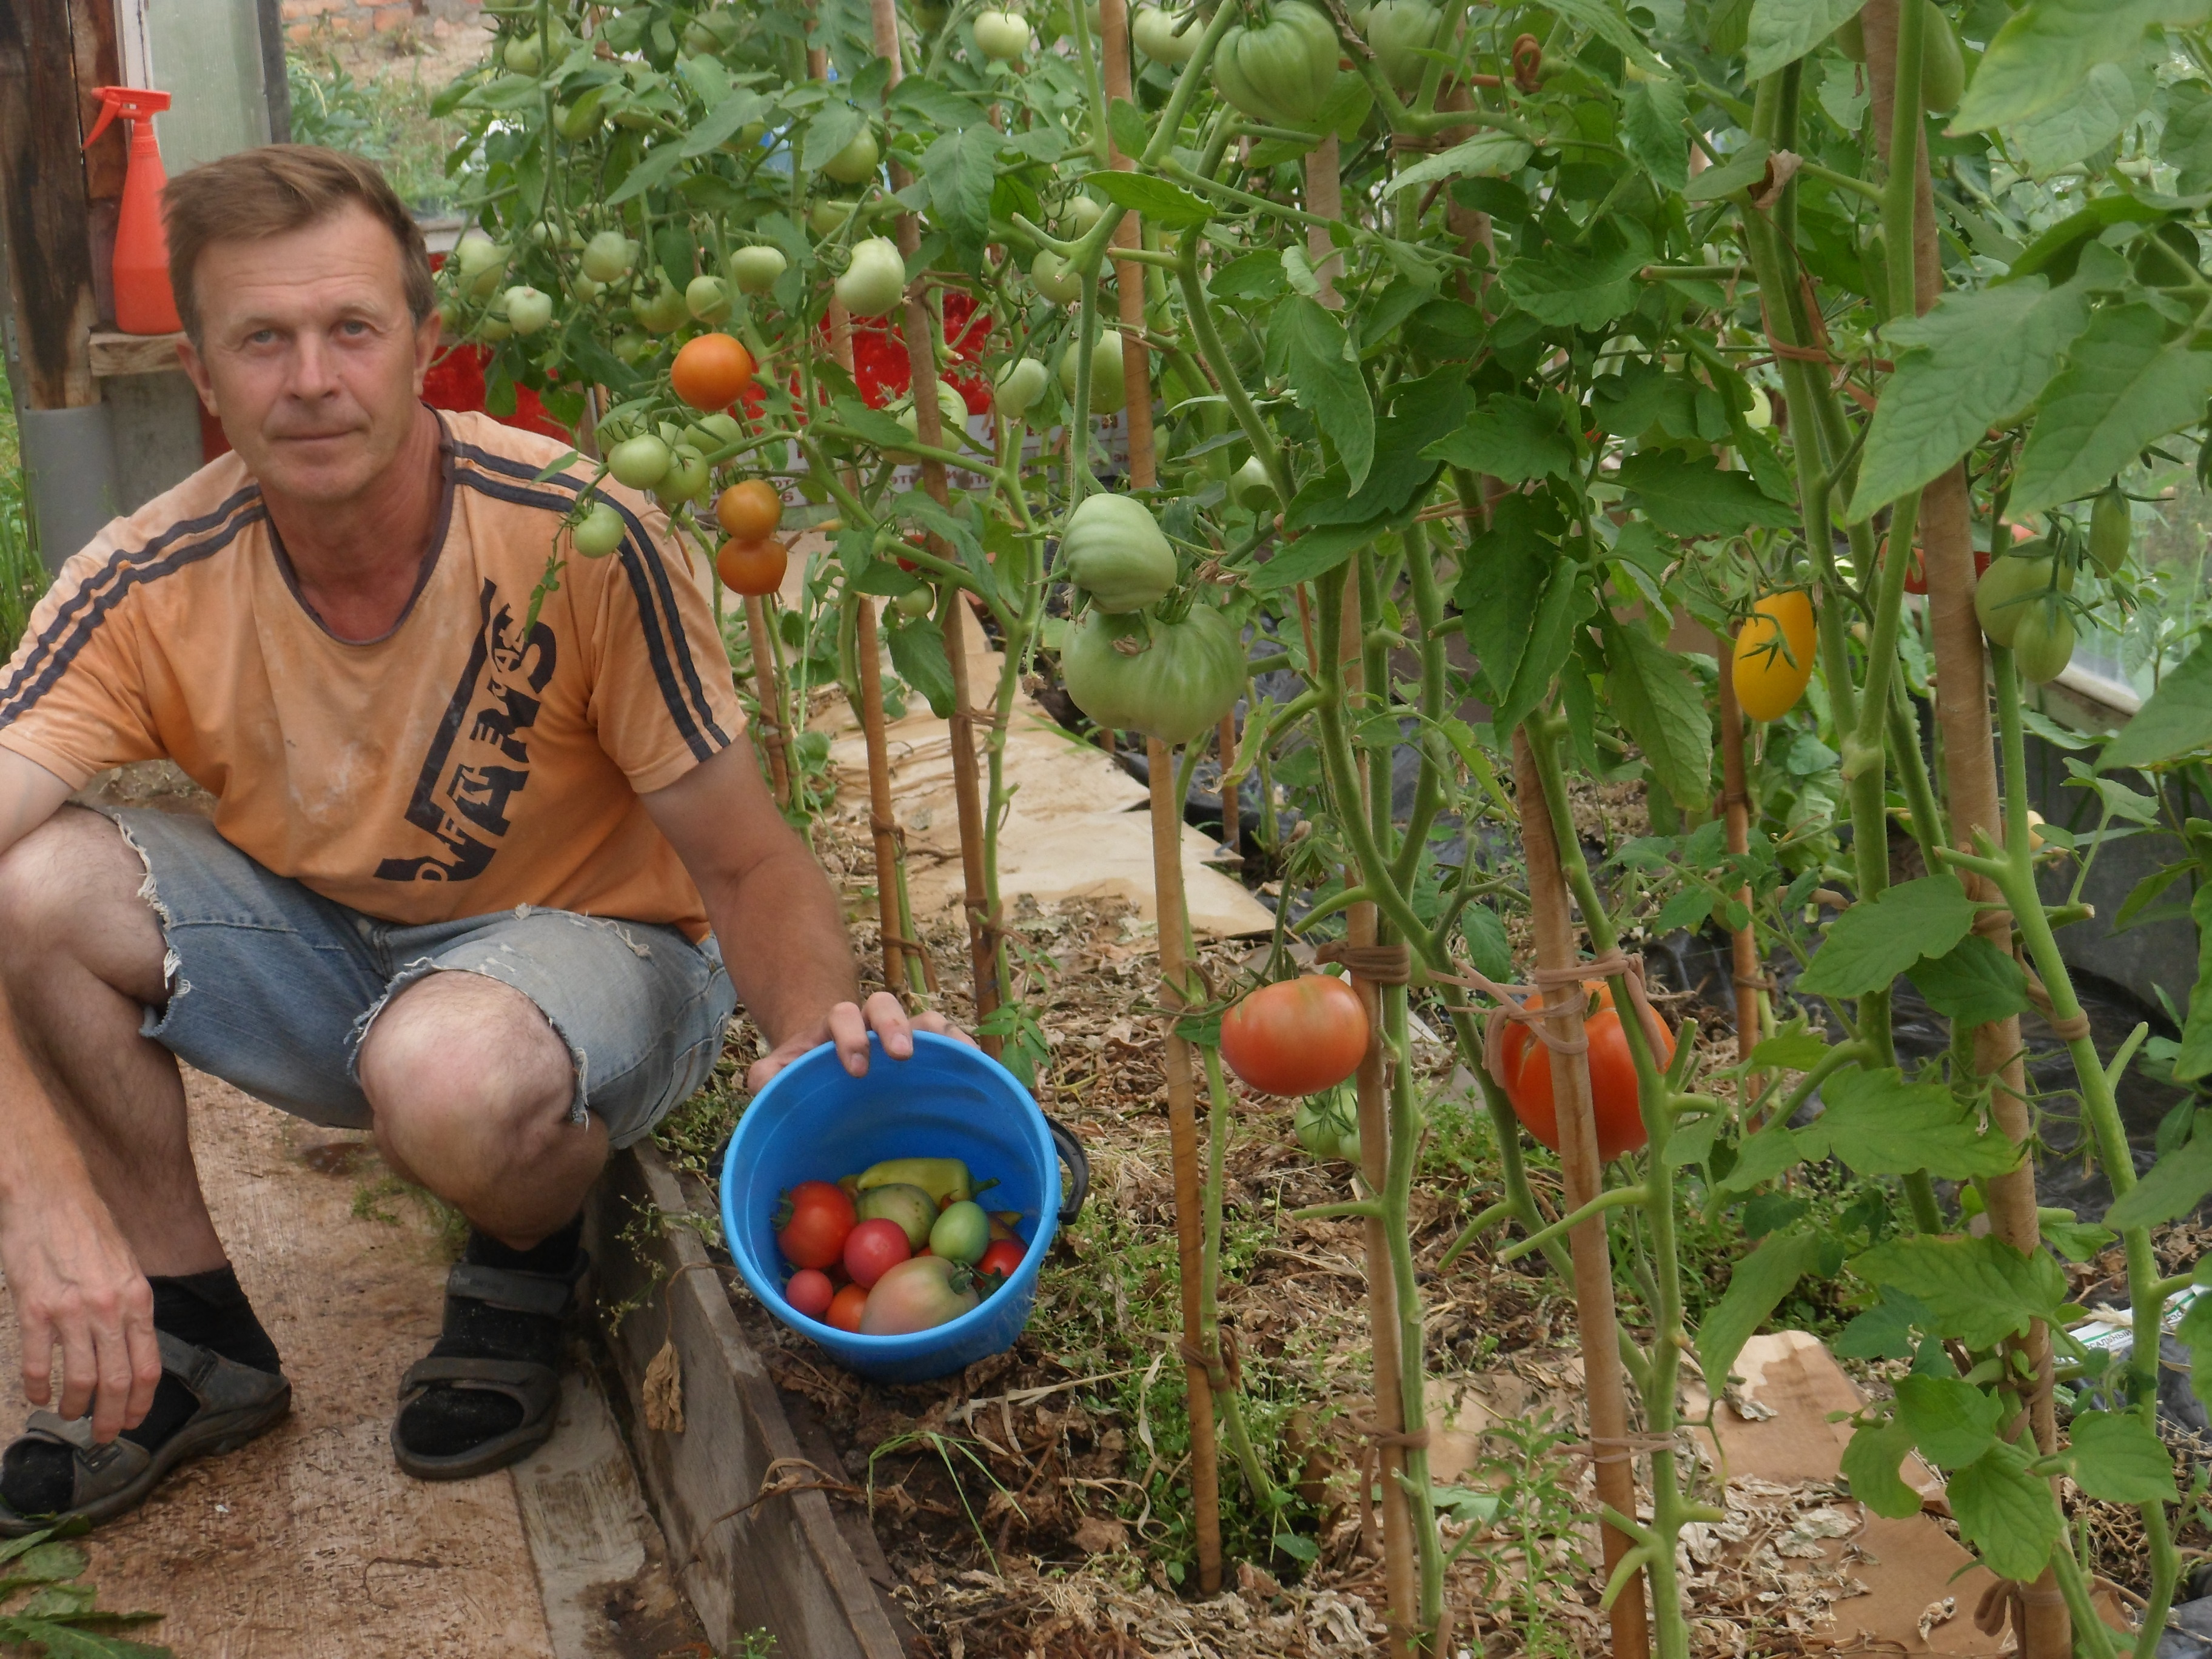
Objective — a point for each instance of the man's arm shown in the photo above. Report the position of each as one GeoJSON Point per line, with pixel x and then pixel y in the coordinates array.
{"type": "Point", "coordinates": [75, 1283]}
{"type": "Point", "coordinates": [782, 935]}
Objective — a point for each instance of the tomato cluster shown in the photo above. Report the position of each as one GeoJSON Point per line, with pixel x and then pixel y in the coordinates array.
{"type": "Point", "coordinates": [901, 1246]}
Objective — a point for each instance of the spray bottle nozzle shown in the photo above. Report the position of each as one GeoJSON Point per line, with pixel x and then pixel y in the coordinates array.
{"type": "Point", "coordinates": [132, 103]}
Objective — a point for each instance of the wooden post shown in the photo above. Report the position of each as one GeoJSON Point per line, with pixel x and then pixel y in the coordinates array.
{"type": "Point", "coordinates": [1582, 1176]}
{"type": "Point", "coordinates": [1970, 788]}
{"type": "Point", "coordinates": [1324, 200]}
{"type": "Point", "coordinates": [769, 694]}
{"type": "Point", "coordinates": [1183, 1138]}
{"type": "Point", "coordinates": [1735, 807]}
{"type": "Point", "coordinates": [880, 819]}
{"type": "Point", "coordinates": [43, 194]}
{"type": "Point", "coordinates": [921, 331]}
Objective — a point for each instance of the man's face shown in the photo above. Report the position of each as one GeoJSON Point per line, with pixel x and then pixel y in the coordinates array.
{"type": "Point", "coordinates": [308, 354]}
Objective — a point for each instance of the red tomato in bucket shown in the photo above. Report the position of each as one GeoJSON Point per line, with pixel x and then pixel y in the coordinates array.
{"type": "Point", "coordinates": [847, 1307]}
{"type": "Point", "coordinates": [812, 1223]}
{"type": "Point", "coordinates": [810, 1292]}
{"type": "Point", "coordinates": [872, 1249]}
{"type": "Point", "coordinates": [999, 1262]}
{"type": "Point", "coordinates": [1296, 1037]}
{"type": "Point", "coordinates": [1528, 1067]}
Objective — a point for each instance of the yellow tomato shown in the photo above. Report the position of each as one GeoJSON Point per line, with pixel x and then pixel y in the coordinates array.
{"type": "Point", "coordinates": [1774, 655]}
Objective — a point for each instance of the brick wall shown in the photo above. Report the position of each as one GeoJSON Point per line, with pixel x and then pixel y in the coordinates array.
{"type": "Point", "coordinates": [359, 20]}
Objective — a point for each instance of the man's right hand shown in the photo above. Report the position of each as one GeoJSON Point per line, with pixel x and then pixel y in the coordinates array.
{"type": "Point", "coordinates": [77, 1287]}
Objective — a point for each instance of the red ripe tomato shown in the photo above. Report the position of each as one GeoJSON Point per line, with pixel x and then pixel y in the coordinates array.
{"type": "Point", "coordinates": [845, 1309]}
{"type": "Point", "coordinates": [1296, 1037]}
{"type": "Point", "coordinates": [999, 1261]}
{"type": "Point", "coordinates": [872, 1249]}
{"type": "Point", "coordinates": [813, 1222]}
{"type": "Point", "coordinates": [810, 1292]}
{"type": "Point", "coordinates": [1528, 1067]}
{"type": "Point", "coordinates": [752, 568]}
{"type": "Point", "coordinates": [712, 372]}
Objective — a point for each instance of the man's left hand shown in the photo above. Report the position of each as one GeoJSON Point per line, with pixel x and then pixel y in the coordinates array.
{"type": "Point", "coordinates": [848, 1025]}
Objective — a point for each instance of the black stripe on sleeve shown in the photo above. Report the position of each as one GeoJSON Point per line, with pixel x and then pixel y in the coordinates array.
{"type": "Point", "coordinates": [45, 666]}
{"type": "Point", "coordinates": [79, 614]}
{"type": "Point", "coordinates": [656, 647]}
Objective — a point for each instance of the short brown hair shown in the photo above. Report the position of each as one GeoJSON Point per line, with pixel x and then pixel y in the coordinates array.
{"type": "Point", "coordinates": [275, 189]}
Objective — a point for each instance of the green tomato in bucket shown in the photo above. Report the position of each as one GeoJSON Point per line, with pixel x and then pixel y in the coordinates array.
{"type": "Point", "coordinates": [961, 1233]}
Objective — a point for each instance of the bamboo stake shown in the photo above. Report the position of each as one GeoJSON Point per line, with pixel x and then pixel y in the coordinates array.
{"type": "Point", "coordinates": [920, 329]}
{"type": "Point", "coordinates": [1400, 1569]}
{"type": "Point", "coordinates": [1582, 1176]}
{"type": "Point", "coordinates": [1735, 802]}
{"type": "Point", "coordinates": [880, 819]}
{"type": "Point", "coordinates": [1970, 787]}
{"type": "Point", "coordinates": [769, 694]}
{"type": "Point", "coordinates": [1182, 1133]}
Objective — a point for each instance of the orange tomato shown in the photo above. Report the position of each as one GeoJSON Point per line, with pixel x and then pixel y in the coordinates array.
{"type": "Point", "coordinates": [752, 568]}
{"type": "Point", "coordinates": [1297, 1036]}
{"type": "Point", "coordinates": [1528, 1067]}
{"type": "Point", "coordinates": [1774, 655]}
{"type": "Point", "coordinates": [712, 372]}
{"type": "Point", "coordinates": [846, 1308]}
{"type": "Point", "coordinates": [749, 511]}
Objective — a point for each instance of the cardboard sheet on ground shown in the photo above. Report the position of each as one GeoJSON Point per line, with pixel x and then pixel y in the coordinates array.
{"type": "Point", "coordinates": [1077, 826]}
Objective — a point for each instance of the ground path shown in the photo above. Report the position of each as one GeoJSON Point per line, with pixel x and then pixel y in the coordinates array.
{"type": "Point", "coordinates": [310, 1543]}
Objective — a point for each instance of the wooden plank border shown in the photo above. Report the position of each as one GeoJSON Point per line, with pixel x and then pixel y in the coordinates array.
{"type": "Point", "coordinates": [788, 1564]}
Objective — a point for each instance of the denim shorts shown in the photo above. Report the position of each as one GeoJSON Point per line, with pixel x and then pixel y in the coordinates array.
{"type": "Point", "coordinates": [272, 987]}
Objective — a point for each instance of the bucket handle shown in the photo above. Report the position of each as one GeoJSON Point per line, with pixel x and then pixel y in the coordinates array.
{"type": "Point", "coordinates": [1078, 1168]}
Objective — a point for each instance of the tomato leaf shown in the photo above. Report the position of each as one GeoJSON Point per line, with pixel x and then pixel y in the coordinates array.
{"type": "Point", "coordinates": [2047, 49]}
{"type": "Point", "coordinates": [2195, 1059]}
{"type": "Point", "coordinates": [2117, 1458]}
{"type": "Point", "coordinates": [2007, 1514]}
{"type": "Point", "coordinates": [1695, 498]}
{"type": "Point", "coordinates": [1782, 31]}
{"type": "Point", "coordinates": [917, 647]}
{"type": "Point", "coordinates": [1314, 554]}
{"type": "Point", "coordinates": [962, 168]}
{"type": "Point", "coordinates": [834, 126]}
{"type": "Point", "coordinates": [2175, 720]}
{"type": "Point", "coordinates": [1662, 704]}
{"type": "Point", "coordinates": [654, 169]}
{"type": "Point", "coordinates": [1871, 1464]}
{"type": "Point", "coordinates": [1978, 1290]}
{"type": "Point", "coordinates": [1972, 983]}
{"type": "Point", "coordinates": [1510, 439]}
{"type": "Point", "coordinates": [2123, 386]}
{"type": "Point", "coordinates": [1975, 362]}
{"type": "Point", "coordinates": [2170, 1189]}
{"type": "Point", "coordinates": [1168, 205]}
{"type": "Point", "coordinates": [1652, 114]}
{"type": "Point", "coordinates": [1756, 1286]}
{"type": "Point", "coordinates": [1952, 1422]}
{"type": "Point", "coordinates": [1325, 379]}
{"type": "Point", "coordinates": [1500, 154]}
{"type": "Point", "coordinates": [1584, 287]}
{"type": "Point", "coordinates": [1870, 944]}
{"type": "Point", "coordinates": [1879, 1124]}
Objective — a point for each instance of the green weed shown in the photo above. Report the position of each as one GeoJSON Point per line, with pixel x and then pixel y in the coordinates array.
{"type": "Point", "coordinates": [386, 119]}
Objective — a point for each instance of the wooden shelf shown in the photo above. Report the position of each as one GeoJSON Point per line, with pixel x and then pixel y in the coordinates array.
{"type": "Point", "coordinates": [133, 354]}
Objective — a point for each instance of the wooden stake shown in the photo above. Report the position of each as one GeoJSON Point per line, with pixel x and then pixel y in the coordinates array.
{"type": "Point", "coordinates": [1324, 200]}
{"type": "Point", "coordinates": [1970, 788]}
{"type": "Point", "coordinates": [1582, 1176]}
{"type": "Point", "coordinates": [1182, 1136]}
{"type": "Point", "coordinates": [1735, 806]}
{"type": "Point", "coordinates": [920, 329]}
{"type": "Point", "coordinates": [769, 694]}
{"type": "Point", "coordinates": [880, 797]}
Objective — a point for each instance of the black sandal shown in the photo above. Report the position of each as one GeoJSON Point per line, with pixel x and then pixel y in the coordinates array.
{"type": "Point", "coordinates": [237, 1403]}
{"type": "Point", "coordinates": [533, 1386]}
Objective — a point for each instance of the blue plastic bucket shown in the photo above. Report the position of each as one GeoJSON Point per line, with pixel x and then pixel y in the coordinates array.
{"type": "Point", "coordinates": [815, 1121]}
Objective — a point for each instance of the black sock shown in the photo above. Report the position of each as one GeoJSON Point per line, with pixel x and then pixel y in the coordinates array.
{"type": "Point", "coordinates": [447, 1420]}
{"type": "Point", "coordinates": [209, 1310]}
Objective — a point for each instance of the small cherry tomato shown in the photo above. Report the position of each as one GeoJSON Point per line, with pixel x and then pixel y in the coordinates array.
{"type": "Point", "coordinates": [845, 1309]}
{"type": "Point", "coordinates": [810, 1291]}
{"type": "Point", "coordinates": [749, 511]}
{"type": "Point", "coordinates": [872, 1249]}
{"type": "Point", "coordinates": [1528, 1067]}
{"type": "Point", "coordinates": [712, 372]}
{"type": "Point", "coordinates": [999, 1261]}
{"type": "Point", "coordinates": [1296, 1037]}
{"type": "Point", "coordinates": [813, 1222]}
{"type": "Point", "coordinates": [752, 568]}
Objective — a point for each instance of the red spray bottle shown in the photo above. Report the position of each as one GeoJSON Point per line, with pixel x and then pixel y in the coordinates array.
{"type": "Point", "coordinates": [143, 301]}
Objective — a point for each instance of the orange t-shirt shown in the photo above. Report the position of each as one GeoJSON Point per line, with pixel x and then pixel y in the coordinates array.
{"type": "Point", "coordinates": [451, 769]}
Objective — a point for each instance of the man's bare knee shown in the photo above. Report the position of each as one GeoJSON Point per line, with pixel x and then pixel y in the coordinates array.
{"type": "Point", "coordinates": [462, 1055]}
{"type": "Point", "coordinates": [74, 889]}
